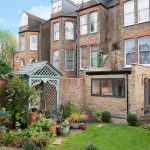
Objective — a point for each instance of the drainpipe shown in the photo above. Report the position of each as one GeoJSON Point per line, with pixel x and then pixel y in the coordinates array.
{"type": "Point", "coordinates": [77, 46]}
{"type": "Point", "coordinates": [127, 94]}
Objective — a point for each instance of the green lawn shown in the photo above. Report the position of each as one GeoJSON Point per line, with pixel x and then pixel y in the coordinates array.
{"type": "Point", "coordinates": [109, 137]}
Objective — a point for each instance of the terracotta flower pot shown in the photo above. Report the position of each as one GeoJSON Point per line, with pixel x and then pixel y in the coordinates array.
{"type": "Point", "coordinates": [83, 126]}
{"type": "Point", "coordinates": [32, 117]}
{"type": "Point", "coordinates": [53, 129]}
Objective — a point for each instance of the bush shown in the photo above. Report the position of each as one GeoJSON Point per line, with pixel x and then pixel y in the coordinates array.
{"type": "Point", "coordinates": [106, 117]}
{"type": "Point", "coordinates": [91, 147]}
{"type": "Point", "coordinates": [69, 109]}
{"type": "Point", "coordinates": [132, 119]}
{"type": "Point", "coordinates": [146, 126]}
{"type": "Point", "coordinates": [30, 146]}
{"type": "Point", "coordinates": [19, 94]}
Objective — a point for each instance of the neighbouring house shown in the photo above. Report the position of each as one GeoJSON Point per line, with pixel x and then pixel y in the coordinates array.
{"type": "Point", "coordinates": [102, 48]}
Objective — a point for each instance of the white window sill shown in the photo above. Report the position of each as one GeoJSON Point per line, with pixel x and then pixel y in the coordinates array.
{"type": "Point", "coordinates": [136, 23]}
{"type": "Point", "coordinates": [33, 49]}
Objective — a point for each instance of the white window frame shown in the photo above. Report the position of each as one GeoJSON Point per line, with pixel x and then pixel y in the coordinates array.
{"type": "Point", "coordinates": [127, 53]}
{"type": "Point", "coordinates": [56, 9]}
{"type": "Point", "coordinates": [58, 60]}
{"type": "Point", "coordinates": [82, 25]}
{"type": "Point", "coordinates": [56, 31]}
{"type": "Point", "coordinates": [95, 22]}
{"type": "Point", "coordinates": [131, 2]}
{"type": "Point", "coordinates": [139, 51]}
{"type": "Point", "coordinates": [69, 30]}
{"type": "Point", "coordinates": [69, 60]}
{"type": "Point", "coordinates": [91, 57]}
{"type": "Point", "coordinates": [33, 46]}
{"type": "Point", "coordinates": [22, 42]}
{"type": "Point", "coordinates": [148, 7]}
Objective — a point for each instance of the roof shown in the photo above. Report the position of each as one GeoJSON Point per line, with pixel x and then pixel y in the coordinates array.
{"type": "Point", "coordinates": [34, 17]}
{"type": "Point", "coordinates": [110, 72]}
{"type": "Point", "coordinates": [32, 68]}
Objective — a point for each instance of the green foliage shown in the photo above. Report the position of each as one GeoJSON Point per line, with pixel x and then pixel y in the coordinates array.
{"type": "Point", "coordinates": [146, 126]}
{"type": "Point", "coordinates": [3, 115]}
{"type": "Point", "coordinates": [19, 94]}
{"type": "Point", "coordinates": [5, 67]}
{"type": "Point", "coordinates": [132, 119]}
{"type": "Point", "coordinates": [91, 147]}
{"type": "Point", "coordinates": [106, 117]}
{"type": "Point", "coordinates": [69, 109]}
{"type": "Point", "coordinates": [30, 146]}
{"type": "Point", "coordinates": [9, 44]}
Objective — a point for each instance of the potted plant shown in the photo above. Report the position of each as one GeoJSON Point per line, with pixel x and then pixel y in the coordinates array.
{"type": "Point", "coordinates": [76, 120]}
{"type": "Point", "coordinates": [63, 129]}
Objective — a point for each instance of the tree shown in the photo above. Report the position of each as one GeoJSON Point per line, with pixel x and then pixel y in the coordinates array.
{"type": "Point", "coordinates": [5, 67]}
{"type": "Point", "coordinates": [19, 94]}
{"type": "Point", "coordinates": [8, 44]}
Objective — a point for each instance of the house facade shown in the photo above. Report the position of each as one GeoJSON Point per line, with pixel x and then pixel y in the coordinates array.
{"type": "Point", "coordinates": [102, 48]}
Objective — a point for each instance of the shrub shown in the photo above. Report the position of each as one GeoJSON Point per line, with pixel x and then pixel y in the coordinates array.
{"type": "Point", "coordinates": [91, 147]}
{"type": "Point", "coordinates": [69, 109]}
{"type": "Point", "coordinates": [106, 117]}
{"type": "Point", "coordinates": [30, 146]}
{"type": "Point", "coordinates": [19, 94]}
{"type": "Point", "coordinates": [146, 126]}
{"type": "Point", "coordinates": [132, 119]}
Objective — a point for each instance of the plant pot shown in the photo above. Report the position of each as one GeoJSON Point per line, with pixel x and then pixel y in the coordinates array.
{"type": "Point", "coordinates": [83, 126]}
{"type": "Point", "coordinates": [75, 125]}
{"type": "Point", "coordinates": [32, 117]}
{"type": "Point", "coordinates": [53, 129]}
{"type": "Point", "coordinates": [63, 131]}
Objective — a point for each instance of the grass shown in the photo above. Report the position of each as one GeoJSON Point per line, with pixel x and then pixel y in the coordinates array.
{"type": "Point", "coordinates": [109, 137]}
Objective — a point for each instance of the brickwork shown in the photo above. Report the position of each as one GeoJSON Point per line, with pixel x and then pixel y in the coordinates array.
{"type": "Point", "coordinates": [62, 44]}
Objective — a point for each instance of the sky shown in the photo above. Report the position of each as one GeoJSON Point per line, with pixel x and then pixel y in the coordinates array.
{"type": "Point", "coordinates": [11, 10]}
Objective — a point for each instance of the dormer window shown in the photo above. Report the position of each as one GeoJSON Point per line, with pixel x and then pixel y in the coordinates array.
{"type": "Point", "coordinates": [56, 6]}
{"type": "Point", "coordinates": [23, 19]}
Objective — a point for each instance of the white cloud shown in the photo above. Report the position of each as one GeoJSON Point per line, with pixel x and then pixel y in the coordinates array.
{"type": "Point", "coordinates": [41, 11]}
{"type": "Point", "coordinates": [77, 1]}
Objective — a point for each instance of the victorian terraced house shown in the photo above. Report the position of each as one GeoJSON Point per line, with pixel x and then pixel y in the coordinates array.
{"type": "Point", "coordinates": [102, 48]}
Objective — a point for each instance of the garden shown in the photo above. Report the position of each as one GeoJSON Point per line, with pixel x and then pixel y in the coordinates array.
{"type": "Point", "coordinates": [33, 129]}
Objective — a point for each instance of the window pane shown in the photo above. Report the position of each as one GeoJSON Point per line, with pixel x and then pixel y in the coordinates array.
{"type": "Point", "coordinates": [143, 15]}
{"type": "Point", "coordinates": [95, 86]}
{"type": "Point", "coordinates": [130, 51]}
{"type": "Point", "coordinates": [142, 4]}
{"type": "Point", "coordinates": [56, 31]}
{"type": "Point", "coordinates": [119, 88]}
{"type": "Point", "coordinates": [83, 24]}
{"type": "Point", "coordinates": [83, 29]}
{"type": "Point", "coordinates": [93, 17]}
{"type": "Point", "coordinates": [144, 50]}
{"type": "Point", "coordinates": [93, 59]}
{"type": "Point", "coordinates": [33, 42]}
{"type": "Point", "coordinates": [69, 64]}
{"type": "Point", "coordinates": [56, 60]}
{"type": "Point", "coordinates": [69, 59]}
{"type": "Point", "coordinates": [69, 30]}
{"type": "Point", "coordinates": [106, 87]}
{"type": "Point", "coordinates": [22, 41]}
{"type": "Point", "coordinates": [129, 19]}
{"type": "Point", "coordinates": [129, 12]}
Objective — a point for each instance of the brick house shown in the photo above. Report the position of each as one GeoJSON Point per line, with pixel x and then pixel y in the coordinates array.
{"type": "Point", "coordinates": [102, 48]}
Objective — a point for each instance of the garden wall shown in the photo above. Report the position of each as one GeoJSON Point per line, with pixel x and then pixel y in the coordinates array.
{"type": "Point", "coordinates": [71, 89]}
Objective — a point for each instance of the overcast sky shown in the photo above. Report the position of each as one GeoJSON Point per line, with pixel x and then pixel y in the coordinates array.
{"type": "Point", "coordinates": [10, 11]}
